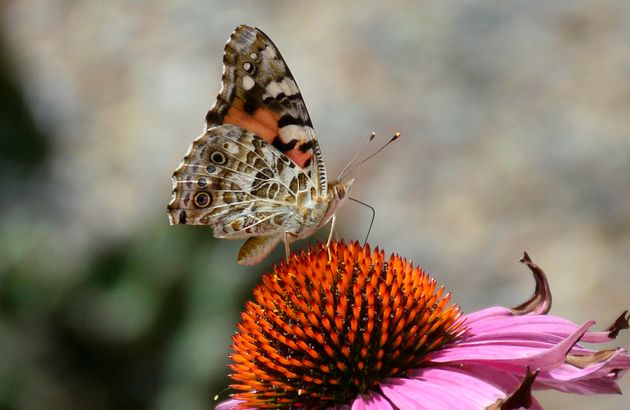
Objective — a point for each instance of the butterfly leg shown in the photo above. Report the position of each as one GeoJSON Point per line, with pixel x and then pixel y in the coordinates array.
{"type": "Point", "coordinates": [287, 247]}
{"type": "Point", "coordinates": [332, 230]}
{"type": "Point", "coordinates": [330, 235]}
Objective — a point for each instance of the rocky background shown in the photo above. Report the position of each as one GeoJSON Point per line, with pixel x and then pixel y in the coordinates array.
{"type": "Point", "coordinates": [515, 119]}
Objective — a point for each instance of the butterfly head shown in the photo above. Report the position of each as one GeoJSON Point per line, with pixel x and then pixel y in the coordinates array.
{"type": "Point", "coordinates": [339, 192]}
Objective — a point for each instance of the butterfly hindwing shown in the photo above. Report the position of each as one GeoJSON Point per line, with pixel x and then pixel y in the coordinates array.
{"type": "Point", "coordinates": [258, 93]}
{"type": "Point", "coordinates": [237, 183]}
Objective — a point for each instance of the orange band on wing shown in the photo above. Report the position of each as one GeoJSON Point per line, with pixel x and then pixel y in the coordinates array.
{"type": "Point", "coordinates": [263, 123]}
{"type": "Point", "coordinates": [300, 158]}
{"type": "Point", "coordinates": [268, 119]}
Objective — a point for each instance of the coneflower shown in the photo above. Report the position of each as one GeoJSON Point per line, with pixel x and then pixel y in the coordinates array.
{"type": "Point", "coordinates": [344, 327]}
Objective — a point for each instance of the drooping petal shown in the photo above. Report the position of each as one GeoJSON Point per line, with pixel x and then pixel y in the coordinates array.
{"type": "Point", "coordinates": [512, 348]}
{"type": "Point", "coordinates": [540, 302]}
{"type": "Point", "coordinates": [494, 322]}
{"type": "Point", "coordinates": [599, 376]}
{"type": "Point", "coordinates": [443, 388]}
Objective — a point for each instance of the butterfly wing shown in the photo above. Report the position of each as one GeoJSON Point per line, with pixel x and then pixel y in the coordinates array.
{"type": "Point", "coordinates": [257, 170]}
{"type": "Point", "coordinates": [239, 184]}
{"type": "Point", "coordinates": [258, 93]}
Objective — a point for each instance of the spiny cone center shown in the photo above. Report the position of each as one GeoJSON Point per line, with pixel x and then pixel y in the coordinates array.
{"type": "Point", "coordinates": [332, 323]}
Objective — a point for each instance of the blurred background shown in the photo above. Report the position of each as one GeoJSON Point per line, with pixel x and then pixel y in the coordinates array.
{"type": "Point", "coordinates": [516, 136]}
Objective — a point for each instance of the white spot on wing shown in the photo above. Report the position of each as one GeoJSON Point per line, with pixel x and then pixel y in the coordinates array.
{"type": "Point", "coordinates": [248, 82]}
{"type": "Point", "coordinates": [253, 56]}
{"type": "Point", "coordinates": [272, 90]}
{"type": "Point", "coordinates": [269, 52]}
{"type": "Point", "coordinates": [286, 86]}
{"type": "Point", "coordinates": [247, 66]}
{"type": "Point", "coordinates": [231, 148]}
{"type": "Point", "coordinates": [292, 86]}
{"type": "Point", "coordinates": [291, 132]}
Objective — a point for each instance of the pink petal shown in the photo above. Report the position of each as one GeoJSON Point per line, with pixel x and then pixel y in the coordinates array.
{"type": "Point", "coordinates": [596, 378]}
{"type": "Point", "coordinates": [485, 326]}
{"type": "Point", "coordinates": [597, 337]}
{"type": "Point", "coordinates": [504, 381]}
{"type": "Point", "coordinates": [227, 405]}
{"type": "Point", "coordinates": [490, 322]}
{"type": "Point", "coordinates": [590, 386]}
{"type": "Point", "coordinates": [372, 402]}
{"type": "Point", "coordinates": [484, 314]}
{"type": "Point", "coordinates": [441, 388]}
{"type": "Point", "coordinates": [520, 354]}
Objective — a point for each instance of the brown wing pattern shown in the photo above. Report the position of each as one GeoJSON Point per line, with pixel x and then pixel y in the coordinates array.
{"type": "Point", "coordinates": [237, 183]}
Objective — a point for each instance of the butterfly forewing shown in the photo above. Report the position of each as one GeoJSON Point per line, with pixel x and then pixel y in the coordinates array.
{"type": "Point", "coordinates": [258, 93]}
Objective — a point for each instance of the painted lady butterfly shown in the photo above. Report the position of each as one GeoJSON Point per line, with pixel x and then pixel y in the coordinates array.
{"type": "Point", "coordinates": [256, 172]}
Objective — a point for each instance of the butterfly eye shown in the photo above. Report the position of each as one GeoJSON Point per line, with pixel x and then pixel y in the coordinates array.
{"type": "Point", "coordinates": [218, 158]}
{"type": "Point", "coordinates": [340, 191]}
{"type": "Point", "coordinates": [202, 199]}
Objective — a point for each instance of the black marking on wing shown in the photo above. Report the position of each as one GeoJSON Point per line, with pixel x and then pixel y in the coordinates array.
{"type": "Point", "coordinates": [282, 97]}
{"type": "Point", "coordinates": [306, 146]}
{"type": "Point", "coordinates": [288, 119]}
{"type": "Point", "coordinates": [182, 217]}
{"type": "Point", "coordinates": [250, 106]}
{"type": "Point", "coordinates": [283, 147]}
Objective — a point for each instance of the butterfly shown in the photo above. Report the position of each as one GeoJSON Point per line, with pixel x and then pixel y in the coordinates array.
{"type": "Point", "coordinates": [256, 172]}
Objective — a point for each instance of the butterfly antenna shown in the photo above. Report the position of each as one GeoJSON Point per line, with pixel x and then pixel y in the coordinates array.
{"type": "Point", "coordinates": [394, 138]}
{"type": "Point", "coordinates": [356, 156]}
{"type": "Point", "coordinates": [371, 222]}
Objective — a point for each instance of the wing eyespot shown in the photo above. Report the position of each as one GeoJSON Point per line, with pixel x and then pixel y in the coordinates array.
{"type": "Point", "coordinates": [202, 199]}
{"type": "Point", "coordinates": [249, 68]}
{"type": "Point", "coordinates": [218, 158]}
{"type": "Point", "coordinates": [202, 182]}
